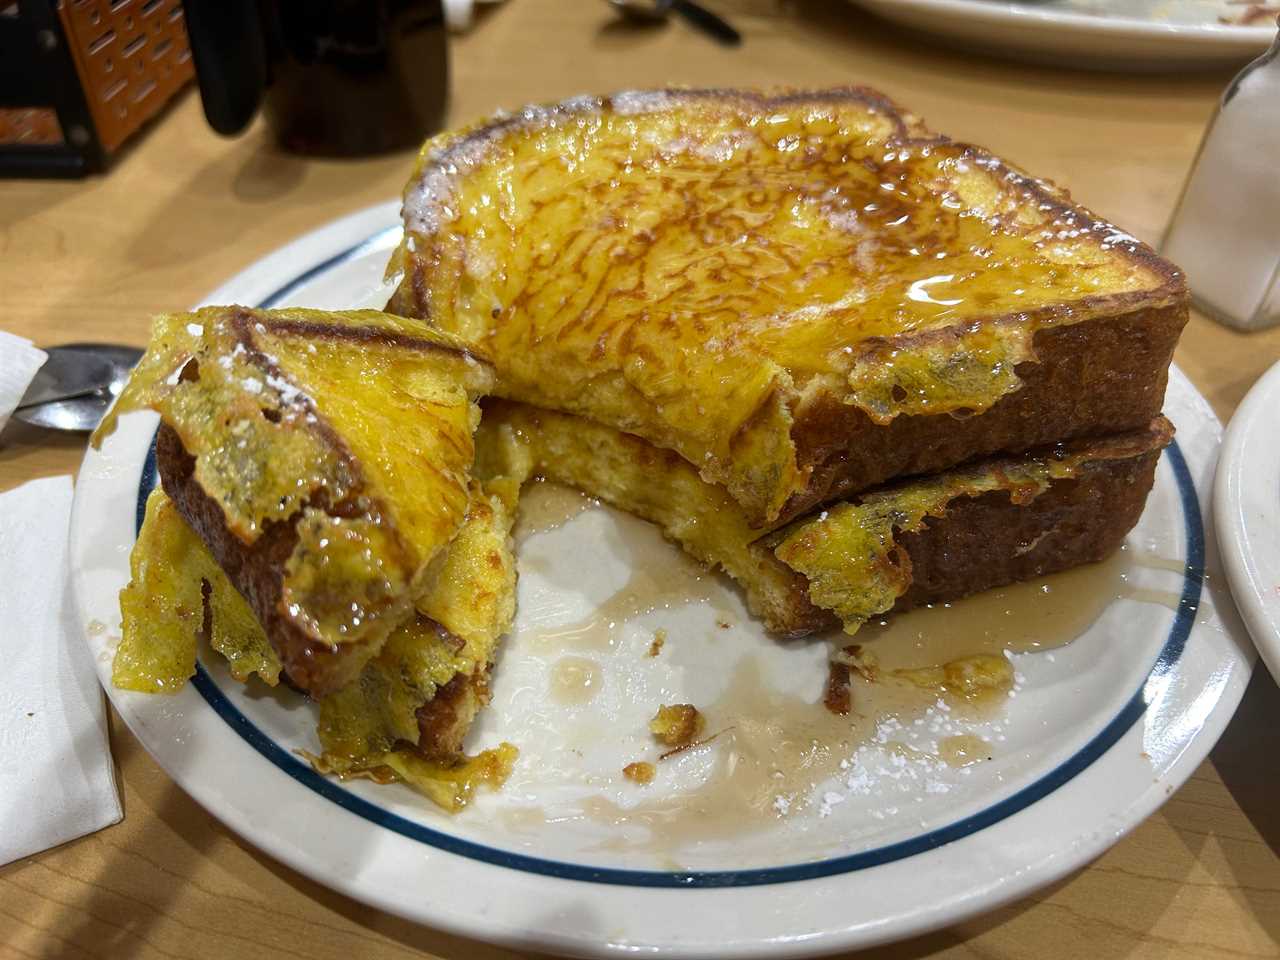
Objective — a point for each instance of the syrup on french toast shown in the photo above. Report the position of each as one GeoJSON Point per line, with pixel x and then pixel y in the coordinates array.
{"type": "Point", "coordinates": [325, 460]}
{"type": "Point", "coordinates": [712, 270]}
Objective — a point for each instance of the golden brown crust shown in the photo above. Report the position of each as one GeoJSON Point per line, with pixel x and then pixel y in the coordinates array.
{"type": "Point", "coordinates": [1077, 521]}
{"type": "Point", "coordinates": [261, 434]}
{"type": "Point", "coordinates": [256, 570]}
{"type": "Point", "coordinates": [1091, 380]}
{"type": "Point", "coordinates": [989, 541]}
{"type": "Point", "coordinates": [443, 721]}
{"type": "Point", "coordinates": [352, 334]}
{"type": "Point", "coordinates": [844, 437]}
{"type": "Point", "coordinates": [461, 152]}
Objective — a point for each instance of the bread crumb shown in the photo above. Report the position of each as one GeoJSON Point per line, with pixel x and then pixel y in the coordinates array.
{"type": "Point", "coordinates": [722, 623]}
{"type": "Point", "coordinates": [677, 724]}
{"type": "Point", "coordinates": [838, 698]}
{"type": "Point", "coordinates": [659, 638]}
{"type": "Point", "coordinates": [864, 663]}
{"type": "Point", "coordinates": [641, 772]}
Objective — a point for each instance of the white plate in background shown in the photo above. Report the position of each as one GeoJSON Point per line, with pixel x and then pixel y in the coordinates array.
{"type": "Point", "coordinates": [1246, 503]}
{"type": "Point", "coordinates": [1124, 35]}
{"type": "Point", "coordinates": [1100, 734]}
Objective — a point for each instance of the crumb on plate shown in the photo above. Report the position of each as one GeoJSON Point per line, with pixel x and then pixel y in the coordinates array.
{"type": "Point", "coordinates": [640, 772]}
{"type": "Point", "coordinates": [659, 638]}
{"type": "Point", "coordinates": [677, 724]}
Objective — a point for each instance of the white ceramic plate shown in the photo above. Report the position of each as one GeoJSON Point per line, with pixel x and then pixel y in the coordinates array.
{"type": "Point", "coordinates": [1099, 734]}
{"type": "Point", "coordinates": [1127, 35]}
{"type": "Point", "coordinates": [1246, 504]}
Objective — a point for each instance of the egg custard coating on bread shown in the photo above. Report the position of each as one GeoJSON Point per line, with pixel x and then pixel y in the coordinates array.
{"type": "Point", "coordinates": [323, 458]}
{"type": "Point", "coordinates": [804, 293]}
{"type": "Point", "coordinates": [907, 543]}
{"type": "Point", "coordinates": [406, 716]}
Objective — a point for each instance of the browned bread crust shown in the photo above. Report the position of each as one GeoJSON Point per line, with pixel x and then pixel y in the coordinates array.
{"type": "Point", "coordinates": [984, 543]}
{"type": "Point", "coordinates": [989, 541]}
{"type": "Point", "coordinates": [1089, 380]}
{"type": "Point", "coordinates": [443, 721]}
{"type": "Point", "coordinates": [299, 503]}
{"type": "Point", "coordinates": [255, 570]}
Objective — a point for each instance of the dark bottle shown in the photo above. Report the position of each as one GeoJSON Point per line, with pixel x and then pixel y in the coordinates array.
{"type": "Point", "coordinates": [334, 77]}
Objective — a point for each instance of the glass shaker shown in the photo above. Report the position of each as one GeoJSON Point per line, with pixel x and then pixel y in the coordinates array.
{"type": "Point", "coordinates": [1225, 232]}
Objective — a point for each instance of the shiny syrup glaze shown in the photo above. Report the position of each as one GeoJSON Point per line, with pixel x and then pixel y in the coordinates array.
{"type": "Point", "coordinates": [546, 506]}
{"type": "Point", "coordinates": [575, 681]}
{"type": "Point", "coordinates": [352, 427]}
{"type": "Point", "coordinates": [679, 260]}
{"type": "Point", "coordinates": [801, 226]}
{"type": "Point", "coordinates": [1038, 615]}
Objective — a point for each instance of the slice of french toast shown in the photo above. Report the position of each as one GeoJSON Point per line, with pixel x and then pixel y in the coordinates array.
{"type": "Point", "coordinates": [425, 687]}
{"type": "Point", "coordinates": [323, 458]}
{"type": "Point", "coordinates": [916, 541]}
{"type": "Point", "coordinates": [805, 294]}
{"type": "Point", "coordinates": [407, 714]}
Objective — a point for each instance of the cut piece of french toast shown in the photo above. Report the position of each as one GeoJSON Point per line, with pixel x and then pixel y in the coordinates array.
{"type": "Point", "coordinates": [805, 294]}
{"type": "Point", "coordinates": [323, 458]}
{"type": "Point", "coordinates": [407, 715]}
{"type": "Point", "coordinates": [177, 594]}
{"type": "Point", "coordinates": [912, 542]}
{"type": "Point", "coordinates": [411, 709]}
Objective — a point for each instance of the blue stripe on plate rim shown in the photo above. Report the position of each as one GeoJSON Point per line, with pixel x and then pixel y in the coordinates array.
{"type": "Point", "coordinates": [1151, 690]}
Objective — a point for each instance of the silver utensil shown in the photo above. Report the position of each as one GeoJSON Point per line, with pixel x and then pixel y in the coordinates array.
{"type": "Point", "coordinates": [76, 385]}
{"type": "Point", "coordinates": [653, 11]}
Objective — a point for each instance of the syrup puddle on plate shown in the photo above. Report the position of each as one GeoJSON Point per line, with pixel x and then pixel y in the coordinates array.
{"type": "Point", "coordinates": [1037, 615]}
{"type": "Point", "coordinates": [575, 681]}
{"type": "Point", "coordinates": [768, 755]}
{"type": "Point", "coordinates": [660, 577]}
{"type": "Point", "coordinates": [547, 506]}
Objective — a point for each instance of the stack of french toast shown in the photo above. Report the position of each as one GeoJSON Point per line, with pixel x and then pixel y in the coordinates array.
{"type": "Point", "coordinates": [856, 365]}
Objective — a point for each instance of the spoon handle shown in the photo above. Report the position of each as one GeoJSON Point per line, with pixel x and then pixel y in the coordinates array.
{"type": "Point", "coordinates": [707, 21]}
{"type": "Point", "coordinates": [59, 397]}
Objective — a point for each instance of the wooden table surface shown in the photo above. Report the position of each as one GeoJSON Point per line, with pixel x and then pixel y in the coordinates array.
{"type": "Point", "coordinates": [183, 210]}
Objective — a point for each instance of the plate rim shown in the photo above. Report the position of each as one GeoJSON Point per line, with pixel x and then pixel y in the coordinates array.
{"type": "Point", "coordinates": [909, 921]}
{"type": "Point", "coordinates": [1010, 12]}
{"type": "Point", "coordinates": [1238, 472]}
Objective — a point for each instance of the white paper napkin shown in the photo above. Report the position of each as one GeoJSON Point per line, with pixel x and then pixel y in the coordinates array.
{"type": "Point", "coordinates": [56, 778]}
{"type": "Point", "coordinates": [19, 361]}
